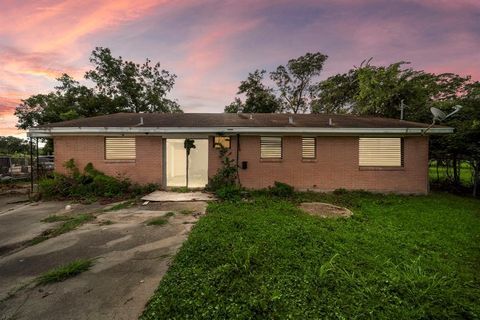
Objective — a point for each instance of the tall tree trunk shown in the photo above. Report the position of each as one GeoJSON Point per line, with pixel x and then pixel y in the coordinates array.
{"type": "Point", "coordinates": [455, 169]}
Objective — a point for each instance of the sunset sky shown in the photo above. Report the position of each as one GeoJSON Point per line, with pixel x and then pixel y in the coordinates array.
{"type": "Point", "coordinates": [212, 45]}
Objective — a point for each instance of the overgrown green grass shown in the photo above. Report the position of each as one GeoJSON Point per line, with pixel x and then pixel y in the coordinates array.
{"type": "Point", "coordinates": [64, 272]}
{"type": "Point", "coordinates": [157, 222]}
{"type": "Point", "coordinates": [398, 257]}
{"type": "Point", "coordinates": [69, 223]}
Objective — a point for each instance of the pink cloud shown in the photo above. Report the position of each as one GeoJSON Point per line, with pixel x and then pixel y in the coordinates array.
{"type": "Point", "coordinates": [7, 119]}
{"type": "Point", "coordinates": [221, 41]}
{"type": "Point", "coordinates": [53, 25]}
{"type": "Point", "coordinates": [449, 4]}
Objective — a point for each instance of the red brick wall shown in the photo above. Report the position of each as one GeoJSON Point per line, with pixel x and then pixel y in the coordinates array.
{"type": "Point", "coordinates": [147, 168]}
{"type": "Point", "coordinates": [336, 166]}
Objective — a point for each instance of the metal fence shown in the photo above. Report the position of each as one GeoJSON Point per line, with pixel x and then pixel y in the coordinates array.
{"type": "Point", "coordinates": [20, 167]}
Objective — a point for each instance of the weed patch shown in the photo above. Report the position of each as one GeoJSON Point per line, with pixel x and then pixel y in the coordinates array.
{"type": "Point", "coordinates": [123, 205]}
{"type": "Point", "coordinates": [157, 222]}
{"type": "Point", "coordinates": [64, 272]}
{"type": "Point", "coordinates": [69, 223]}
{"type": "Point", "coordinates": [56, 218]}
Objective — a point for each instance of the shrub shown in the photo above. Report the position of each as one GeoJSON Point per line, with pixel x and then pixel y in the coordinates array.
{"type": "Point", "coordinates": [58, 186]}
{"type": "Point", "coordinates": [227, 174]}
{"type": "Point", "coordinates": [139, 190]}
{"type": "Point", "coordinates": [229, 193]}
{"type": "Point", "coordinates": [89, 185]}
{"type": "Point", "coordinates": [340, 191]}
{"type": "Point", "coordinates": [281, 189]}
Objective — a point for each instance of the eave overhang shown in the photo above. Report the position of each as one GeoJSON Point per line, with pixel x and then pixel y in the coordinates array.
{"type": "Point", "coordinates": [163, 131]}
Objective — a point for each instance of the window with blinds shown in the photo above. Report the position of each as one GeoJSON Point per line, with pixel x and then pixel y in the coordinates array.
{"type": "Point", "coordinates": [271, 147]}
{"type": "Point", "coordinates": [384, 152]}
{"type": "Point", "coordinates": [308, 148]}
{"type": "Point", "coordinates": [120, 148]}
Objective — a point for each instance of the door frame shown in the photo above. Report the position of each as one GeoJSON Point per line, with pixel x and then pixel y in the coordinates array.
{"type": "Point", "coordinates": [164, 155]}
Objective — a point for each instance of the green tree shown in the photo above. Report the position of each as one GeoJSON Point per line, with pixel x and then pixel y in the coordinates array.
{"type": "Point", "coordinates": [12, 145]}
{"type": "Point", "coordinates": [297, 81]}
{"type": "Point", "coordinates": [135, 87]}
{"type": "Point", "coordinates": [258, 97]}
{"type": "Point", "coordinates": [120, 86]}
{"type": "Point", "coordinates": [234, 107]}
{"type": "Point", "coordinates": [464, 143]}
{"type": "Point", "coordinates": [336, 94]}
{"type": "Point", "coordinates": [379, 91]}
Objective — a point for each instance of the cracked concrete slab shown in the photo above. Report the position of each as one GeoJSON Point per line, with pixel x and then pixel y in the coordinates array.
{"type": "Point", "coordinates": [130, 260]}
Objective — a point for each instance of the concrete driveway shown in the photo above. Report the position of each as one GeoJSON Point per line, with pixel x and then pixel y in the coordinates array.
{"type": "Point", "coordinates": [131, 259]}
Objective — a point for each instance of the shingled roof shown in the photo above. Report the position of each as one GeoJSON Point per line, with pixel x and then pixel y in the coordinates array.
{"type": "Point", "coordinates": [204, 123]}
{"type": "Point", "coordinates": [234, 120]}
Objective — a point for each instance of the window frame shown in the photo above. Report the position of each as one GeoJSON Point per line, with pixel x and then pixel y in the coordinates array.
{"type": "Point", "coordinates": [118, 159]}
{"type": "Point", "coordinates": [314, 148]}
{"type": "Point", "coordinates": [272, 158]}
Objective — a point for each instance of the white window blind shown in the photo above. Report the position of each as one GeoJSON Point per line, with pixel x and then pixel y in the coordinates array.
{"type": "Point", "coordinates": [271, 147]}
{"type": "Point", "coordinates": [308, 148]}
{"type": "Point", "coordinates": [385, 152]}
{"type": "Point", "coordinates": [120, 148]}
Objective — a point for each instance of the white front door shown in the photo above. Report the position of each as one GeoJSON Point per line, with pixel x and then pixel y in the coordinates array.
{"type": "Point", "coordinates": [176, 164]}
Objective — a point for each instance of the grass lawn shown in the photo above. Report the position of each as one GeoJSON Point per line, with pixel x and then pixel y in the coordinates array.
{"type": "Point", "coordinates": [398, 257]}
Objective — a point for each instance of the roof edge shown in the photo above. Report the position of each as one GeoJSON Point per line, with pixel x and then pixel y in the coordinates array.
{"type": "Point", "coordinates": [57, 131]}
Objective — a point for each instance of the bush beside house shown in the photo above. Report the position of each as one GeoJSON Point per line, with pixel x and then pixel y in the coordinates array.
{"type": "Point", "coordinates": [89, 184]}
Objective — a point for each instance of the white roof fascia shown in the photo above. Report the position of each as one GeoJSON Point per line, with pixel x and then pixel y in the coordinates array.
{"type": "Point", "coordinates": [53, 131]}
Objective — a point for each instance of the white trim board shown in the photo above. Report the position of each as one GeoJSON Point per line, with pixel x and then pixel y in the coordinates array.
{"type": "Point", "coordinates": [162, 131]}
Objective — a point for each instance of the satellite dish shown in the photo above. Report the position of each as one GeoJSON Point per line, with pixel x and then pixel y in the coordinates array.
{"type": "Point", "coordinates": [437, 114]}
{"type": "Point", "coordinates": [440, 115]}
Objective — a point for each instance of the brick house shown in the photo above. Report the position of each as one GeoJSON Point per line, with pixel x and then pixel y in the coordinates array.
{"type": "Point", "coordinates": [309, 151]}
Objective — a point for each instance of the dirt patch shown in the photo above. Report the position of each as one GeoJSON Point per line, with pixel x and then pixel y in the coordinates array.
{"type": "Point", "coordinates": [325, 210]}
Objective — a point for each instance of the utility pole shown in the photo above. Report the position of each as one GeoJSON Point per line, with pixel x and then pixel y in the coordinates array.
{"type": "Point", "coordinates": [401, 109]}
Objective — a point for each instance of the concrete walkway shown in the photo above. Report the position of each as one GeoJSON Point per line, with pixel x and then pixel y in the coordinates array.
{"type": "Point", "coordinates": [130, 260]}
{"type": "Point", "coordinates": [178, 196]}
